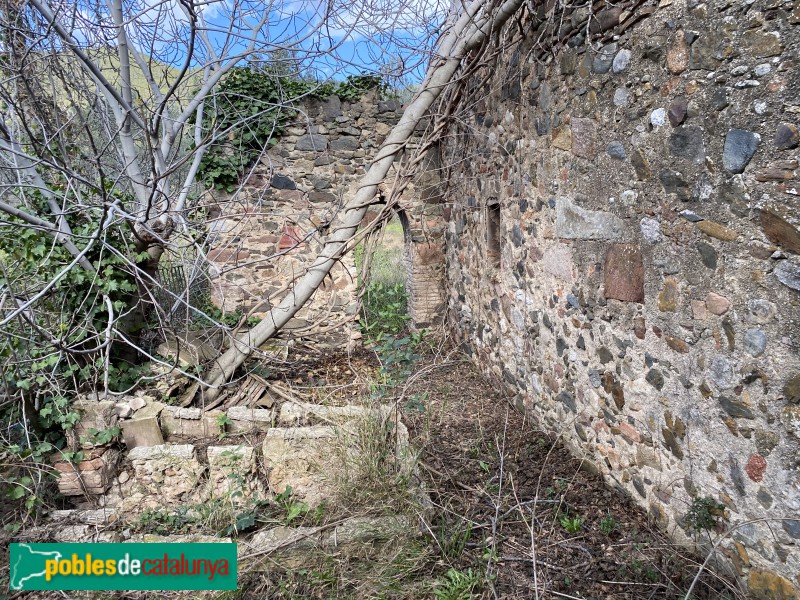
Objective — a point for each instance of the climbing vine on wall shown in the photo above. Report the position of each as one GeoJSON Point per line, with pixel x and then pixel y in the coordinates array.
{"type": "Point", "coordinates": [251, 110]}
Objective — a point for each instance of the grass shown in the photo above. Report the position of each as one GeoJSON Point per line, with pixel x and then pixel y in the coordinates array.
{"type": "Point", "coordinates": [376, 470]}
{"type": "Point", "coordinates": [458, 585]}
{"type": "Point", "coordinates": [399, 569]}
{"type": "Point", "coordinates": [387, 261]}
{"type": "Point", "coordinates": [573, 524]}
{"type": "Point", "coordinates": [385, 300]}
{"type": "Point", "coordinates": [607, 525]}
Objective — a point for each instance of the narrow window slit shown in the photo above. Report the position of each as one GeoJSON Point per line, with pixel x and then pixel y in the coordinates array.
{"type": "Point", "coordinates": [493, 232]}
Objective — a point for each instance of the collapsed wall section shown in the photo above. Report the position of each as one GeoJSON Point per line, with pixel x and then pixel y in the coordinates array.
{"type": "Point", "coordinates": [272, 229]}
{"type": "Point", "coordinates": [622, 255]}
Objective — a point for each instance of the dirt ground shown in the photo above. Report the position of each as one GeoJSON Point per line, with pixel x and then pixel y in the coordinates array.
{"type": "Point", "coordinates": [495, 473]}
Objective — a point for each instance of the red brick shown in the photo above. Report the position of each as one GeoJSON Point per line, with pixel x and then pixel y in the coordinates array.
{"type": "Point", "coordinates": [624, 273]}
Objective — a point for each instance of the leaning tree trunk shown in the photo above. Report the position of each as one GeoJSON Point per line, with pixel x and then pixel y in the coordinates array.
{"type": "Point", "coordinates": [468, 32]}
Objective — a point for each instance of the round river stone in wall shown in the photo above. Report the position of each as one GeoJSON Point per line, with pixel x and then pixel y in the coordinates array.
{"type": "Point", "coordinates": [786, 137]}
{"type": "Point", "coordinates": [621, 61]}
{"type": "Point", "coordinates": [616, 150]}
{"type": "Point", "coordinates": [720, 371]}
{"type": "Point", "coordinates": [658, 117]}
{"type": "Point", "coordinates": [740, 146]}
{"type": "Point", "coordinates": [622, 97]}
{"type": "Point", "coordinates": [651, 230]}
{"type": "Point", "coordinates": [755, 342]}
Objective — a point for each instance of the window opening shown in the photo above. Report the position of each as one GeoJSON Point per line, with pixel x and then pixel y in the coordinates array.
{"type": "Point", "coordinates": [493, 233]}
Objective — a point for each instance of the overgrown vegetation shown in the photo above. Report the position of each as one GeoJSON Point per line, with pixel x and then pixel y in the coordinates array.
{"type": "Point", "coordinates": [252, 109]}
{"type": "Point", "coordinates": [704, 514]}
{"type": "Point", "coordinates": [66, 348]}
{"type": "Point", "coordinates": [385, 299]}
{"type": "Point", "coordinates": [458, 585]}
{"type": "Point", "coordinates": [233, 514]}
{"type": "Point", "coordinates": [377, 462]}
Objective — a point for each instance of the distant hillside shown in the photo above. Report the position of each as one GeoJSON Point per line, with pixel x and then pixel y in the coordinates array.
{"type": "Point", "coordinates": [107, 60]}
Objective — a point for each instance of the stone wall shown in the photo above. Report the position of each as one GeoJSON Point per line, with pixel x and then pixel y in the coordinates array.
{"type": "Point", "coordinates": [622, 256]}
{"type": "Point", "coordinates": [271, 230]}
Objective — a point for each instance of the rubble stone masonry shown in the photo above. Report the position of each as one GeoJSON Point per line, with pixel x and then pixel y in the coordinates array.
{"type": "Point", "coordinates": [622, 256]}
{"type": "Point", "coordinates": [271, 230]}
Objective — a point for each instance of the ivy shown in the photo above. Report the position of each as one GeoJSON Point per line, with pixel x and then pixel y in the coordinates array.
{"type": "Point", "coordinates": [251, 109]}
{"type": "Point", "coordinates": [50, 368]}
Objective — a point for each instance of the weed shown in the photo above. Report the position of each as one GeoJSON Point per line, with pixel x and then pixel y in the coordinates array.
{"type": "Point", "coordinates": [384, 310]}
{"type": "Point", "coordinates": [292, 507]}
{"type": "Point", "coordinates": [651, 574]}
{"type": "Point", "coordinates": [319, 514]}
{"type": "Point", "coordinates": [164, 522]}
{"type": "Point", "coordinates": [224, 516]}
{"type": "Point", "coordinates": [398, 356]}
{"type": "Point", "coordinates": [489, 554]}
{"type": "Point", "coordinates": [223, 422]}
{"type": "Point", "coordinates": [452, 537]}
{"type": "Point", "coordinates": [231, 318]}
{"type": "Point", "coordinates": [102, 437]}
{"type": "Point", "coordinates": [373, 475]}
{"type": "Point", "coordinates": [417, 402]}
{"type": "Point", "coordinates": [385, 300]}
{"type": "Point", "coordinates": [245, 521]}
{"type": "Point", "coordinates": [607, 525]}
{"type": "Point", "coordinates": [399, 571]}
{"type": "Point", "coordinates": [458, 585]}
{"type": "Point", "coordinates": [571, 524]}
{"type": "Point", "coordinates": [73, 456]}
{"type": "Point", "coordinates": [704, 513]}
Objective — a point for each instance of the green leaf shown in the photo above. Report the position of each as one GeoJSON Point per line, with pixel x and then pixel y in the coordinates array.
{"type": "Point", "coordinates": [245, 521]}
{"type": "Point", "coordinates": [16, 492]}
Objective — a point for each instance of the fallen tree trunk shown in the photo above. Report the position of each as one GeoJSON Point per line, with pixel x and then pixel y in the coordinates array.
{"type": "Point", "coordinates": [479, 19]}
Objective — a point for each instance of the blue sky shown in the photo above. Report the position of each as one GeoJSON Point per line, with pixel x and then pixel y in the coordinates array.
{"type": "Point", "coordinates": [335, 37]}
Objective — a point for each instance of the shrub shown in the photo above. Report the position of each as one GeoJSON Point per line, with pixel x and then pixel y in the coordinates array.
{"type": "Point", "coordinates": [704, 513]}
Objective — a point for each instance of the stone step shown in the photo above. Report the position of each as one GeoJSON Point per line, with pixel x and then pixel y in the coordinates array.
{"type": "Point", "coordinates": [303, 459]}
{"type": "Point", "coordinates": [305, 413]}
{"type": "Point", "coordinates": [308, 459]}
{"type": "Point", "coordinates": [310, 452]}
{"type": "Point", "coordinates": [168, 475]}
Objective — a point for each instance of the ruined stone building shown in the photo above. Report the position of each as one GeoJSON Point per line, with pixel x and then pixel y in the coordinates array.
{"type": "Point", "coordinates": [621, 251]}
{"type": "Point", "coordinates": [270, 231]}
